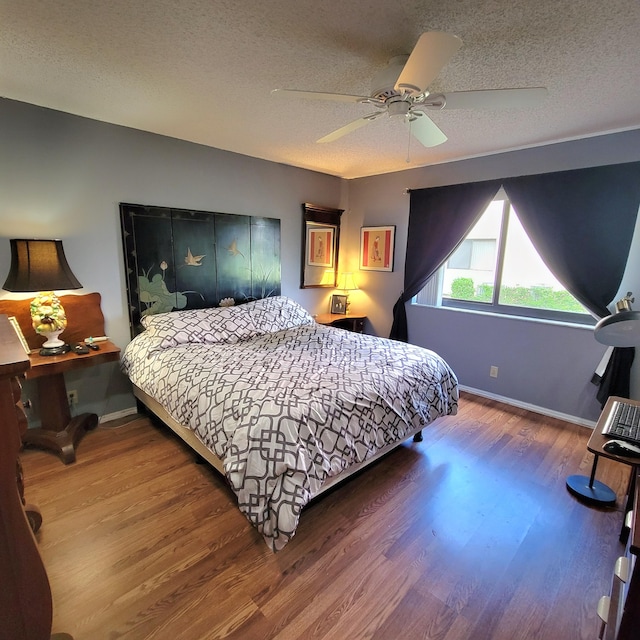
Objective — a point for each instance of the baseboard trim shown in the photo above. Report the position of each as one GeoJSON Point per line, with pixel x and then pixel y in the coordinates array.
{"type": "Point", "coordinates": [530, 407]}
{"type": "Point", "coordinates": [476, 392]}
{"type": "Point", "coordinates": [116, 415]}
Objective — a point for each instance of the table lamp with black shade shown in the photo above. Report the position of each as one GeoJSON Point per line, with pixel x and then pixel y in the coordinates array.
{"type": "Point", "coordinates": [40, 265]}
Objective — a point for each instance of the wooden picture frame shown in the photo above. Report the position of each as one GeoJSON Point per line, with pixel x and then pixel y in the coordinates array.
{"type": "Point", "coordinates": [339, 304]}
{"type": "Point", "coordinates": [315, 217]}
{"type": "Point", "coordinates": [320, 246]}
{"type": "Point", "coordinates": [16, 327]}
{"type": "Point", "coordinates": [377, 248]}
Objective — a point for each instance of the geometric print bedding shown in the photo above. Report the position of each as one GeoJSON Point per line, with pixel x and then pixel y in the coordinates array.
{"type": "Point", "coordinates": [290, 404]}
{"type": "Point", "coordinates": [226, 324]}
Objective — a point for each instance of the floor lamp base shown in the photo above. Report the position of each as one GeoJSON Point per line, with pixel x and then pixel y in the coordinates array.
{"type": "Point", "coordinates": [592, 491]}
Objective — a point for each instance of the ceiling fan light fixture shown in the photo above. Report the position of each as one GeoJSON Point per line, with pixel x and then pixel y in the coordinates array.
{"type": "Point", "coordinates": [398, 108]}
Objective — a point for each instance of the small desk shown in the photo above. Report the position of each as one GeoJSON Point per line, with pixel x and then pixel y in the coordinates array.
{"type": "Point", "coordinates": [349, 321]}
{"type": "Point", "coordinates": [59, 431]}
{"type": "Point", "coordinates": [591, 489]}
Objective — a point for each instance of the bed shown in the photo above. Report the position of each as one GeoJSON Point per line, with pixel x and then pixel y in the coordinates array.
{"type": "Point", "coordinates": [283, 406]}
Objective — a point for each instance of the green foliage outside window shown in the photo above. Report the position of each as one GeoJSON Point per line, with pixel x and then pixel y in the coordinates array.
{"type": "Point", "coordinates": [463, 289]}
{"type": "Point", "coordinates": [536, 297]}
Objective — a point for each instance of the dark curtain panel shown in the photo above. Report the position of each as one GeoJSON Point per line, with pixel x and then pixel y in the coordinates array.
{"type": "Point", "coordinates": [581, 222]}
{"type": "Point", "coordinates": [439, 219]}
{"type": "Point", "coordinates": [616, 380]}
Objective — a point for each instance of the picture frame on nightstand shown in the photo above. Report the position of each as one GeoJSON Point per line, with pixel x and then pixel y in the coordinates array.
{"type": "Point", "coordinates": [16, 327]}
{"type": "Point", "coordinates": [339, 304]}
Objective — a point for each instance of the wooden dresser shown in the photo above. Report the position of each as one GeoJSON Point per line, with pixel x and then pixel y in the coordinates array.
{"type": "Point", "coordinates": [25, 596]}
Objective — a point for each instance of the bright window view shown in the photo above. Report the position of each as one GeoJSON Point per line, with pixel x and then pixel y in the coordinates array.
{"type": "Point", "coordinates": [501, 274]}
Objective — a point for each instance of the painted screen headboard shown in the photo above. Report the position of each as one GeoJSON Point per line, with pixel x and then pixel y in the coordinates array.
{"type": "Point", "coordinates": [184, 259]}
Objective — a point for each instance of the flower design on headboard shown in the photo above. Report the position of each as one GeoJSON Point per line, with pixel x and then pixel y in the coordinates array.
{"type": "Point", "coordinates": [155, 295]}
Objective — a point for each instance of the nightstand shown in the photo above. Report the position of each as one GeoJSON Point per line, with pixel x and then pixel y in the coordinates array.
{"type": "Point", "coordinates": [350, 322]}
{"type": "Point", "coordinates": [59, 431]}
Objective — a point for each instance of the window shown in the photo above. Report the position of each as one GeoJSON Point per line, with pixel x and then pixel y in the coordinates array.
{"type": "Point", "coordinates": [496, 268]}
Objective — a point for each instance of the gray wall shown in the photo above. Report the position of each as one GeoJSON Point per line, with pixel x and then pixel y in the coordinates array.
{"type": "Point", "coordinates": [541, 365]}
{"type": "Point", "coordinates": [63, 176]}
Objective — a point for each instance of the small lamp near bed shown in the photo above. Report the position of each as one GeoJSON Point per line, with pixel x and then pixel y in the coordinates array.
{"type": "Point", "coordinates": [346, 283]}
{"type": "Point", "coordinates": [40, 265]}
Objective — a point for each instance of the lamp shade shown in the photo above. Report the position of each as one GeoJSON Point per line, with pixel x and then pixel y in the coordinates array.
{"type": "Point", "coordinates": [621, 329]}
{"type": "Point", "coordinates": [346, 282]}
{"type": "Point", "coordinates": [39, 265]}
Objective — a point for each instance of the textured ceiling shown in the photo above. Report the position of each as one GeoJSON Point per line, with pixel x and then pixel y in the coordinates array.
{"type": "Point", "coordinates": [202, 70]}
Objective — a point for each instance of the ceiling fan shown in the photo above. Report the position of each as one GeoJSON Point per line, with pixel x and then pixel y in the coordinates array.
{"type": "Point", "coordinates": [400, 90]}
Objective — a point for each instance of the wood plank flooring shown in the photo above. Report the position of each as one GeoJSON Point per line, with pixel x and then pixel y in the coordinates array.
{"type": "Point", "coordinates": [470, 534]}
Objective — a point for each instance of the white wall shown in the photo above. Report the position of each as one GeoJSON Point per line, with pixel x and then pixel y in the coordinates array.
{"type": "Point", "coordinates": [64, 176]}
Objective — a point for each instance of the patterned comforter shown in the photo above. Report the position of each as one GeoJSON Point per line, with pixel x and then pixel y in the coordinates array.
{"type": "Point", "coordinates": [284, 402]}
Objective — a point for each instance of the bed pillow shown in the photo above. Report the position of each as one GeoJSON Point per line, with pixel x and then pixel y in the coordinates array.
{"type": "Point", "coordinates": [225, 324]}
{"type": "Point", "coordinates": [200, 326]}
{"type": "Point", "coordinates": [277, 314]}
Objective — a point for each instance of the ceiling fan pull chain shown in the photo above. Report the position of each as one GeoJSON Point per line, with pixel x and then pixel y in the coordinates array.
{"type": "Point", "coordinates": [408, 160]}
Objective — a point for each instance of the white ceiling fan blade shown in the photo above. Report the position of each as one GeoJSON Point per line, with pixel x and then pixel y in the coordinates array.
{"type": "Point", "coordinates": [426, 131]}
{"type": "Point", "coordinates": [495, 98]}
{"type": "Point", "coordinates": [317, 95]}
{"type": "Point", "coordinates": [352, 126]}
{"type": "Point", "coordinates": [432, 51]}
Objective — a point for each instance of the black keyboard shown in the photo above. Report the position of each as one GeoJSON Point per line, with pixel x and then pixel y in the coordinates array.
{"type": "Point", "coordinates": [623, 422]}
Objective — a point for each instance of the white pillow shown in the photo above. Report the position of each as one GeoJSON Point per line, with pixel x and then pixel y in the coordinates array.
{"type": "Point", "coordinates": [225, 324]}
{"type": "Point", "coordinates": [277, 313]}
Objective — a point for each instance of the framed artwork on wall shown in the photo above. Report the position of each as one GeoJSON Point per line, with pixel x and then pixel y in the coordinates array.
{"type": "Point", "coordinates": [320, 246]}
{"type": "Point", "coordinates": [377, 248]}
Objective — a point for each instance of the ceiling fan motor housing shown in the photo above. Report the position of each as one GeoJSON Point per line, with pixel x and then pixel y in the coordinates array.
{"type": "Point", "coordinates": [398, 107]}
{"type": "Point", "coordinates": [383, 83]}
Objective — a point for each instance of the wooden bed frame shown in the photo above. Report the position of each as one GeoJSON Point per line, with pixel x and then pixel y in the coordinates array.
{"type": "Point", "coordinates": [192, 441]}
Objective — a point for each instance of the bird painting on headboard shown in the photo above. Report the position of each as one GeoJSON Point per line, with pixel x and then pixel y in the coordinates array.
{"type": "Point", "coordinates": [191, 260]}
{"type": "Point", "coordinates": [233, 249]}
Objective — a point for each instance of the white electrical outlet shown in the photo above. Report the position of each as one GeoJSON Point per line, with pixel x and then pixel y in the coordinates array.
{"type": "Point", "coordinates": [493, 371]}
{"type": "Point", "coordinates": [72, 396]}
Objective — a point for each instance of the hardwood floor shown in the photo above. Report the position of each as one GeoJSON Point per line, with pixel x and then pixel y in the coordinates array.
{"type": "Point", "coordinates": [470, 534]}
